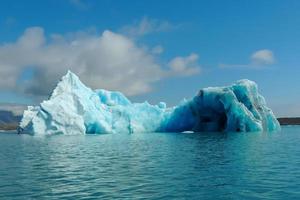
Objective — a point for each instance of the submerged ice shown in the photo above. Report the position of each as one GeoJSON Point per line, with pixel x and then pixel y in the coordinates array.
{"type": "Point", "coordinates": [74, 108]}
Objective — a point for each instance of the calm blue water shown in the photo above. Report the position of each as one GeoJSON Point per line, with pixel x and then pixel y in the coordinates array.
{"type": "Point", "coordinates": [151, 166]}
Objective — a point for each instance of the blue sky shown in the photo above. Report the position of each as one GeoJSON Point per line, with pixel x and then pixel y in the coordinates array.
{"type": "Point", "coordinates": [175, 48]}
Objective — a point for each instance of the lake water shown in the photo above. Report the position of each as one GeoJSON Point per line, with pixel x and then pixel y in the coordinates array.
{"type": "Point", "coordinates": [151, 166]}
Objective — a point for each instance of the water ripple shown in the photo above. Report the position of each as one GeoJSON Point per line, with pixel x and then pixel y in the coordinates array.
{"type": "Point", "coordinates": [151, 166]}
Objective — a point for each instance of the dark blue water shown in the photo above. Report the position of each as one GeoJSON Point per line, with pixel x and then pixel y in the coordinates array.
{"type": "Point", "coordinates": [151, 166]}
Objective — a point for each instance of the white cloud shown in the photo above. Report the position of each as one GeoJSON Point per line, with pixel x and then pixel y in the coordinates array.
{"type": "Point", "coordinates": [263, 57]}
{"type": "Point", "coordinates": [259, 59]}
{"type": "Point", "coordinates": [112, 61]}
{"type": "Point", "coordinates": [157, 49]}
{"type": "Point", "coordinates": [146, 26]}
{"type": "Point", "coordinates": [185, 66]}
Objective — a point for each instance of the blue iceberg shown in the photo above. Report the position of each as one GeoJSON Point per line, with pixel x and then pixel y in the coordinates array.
{"type": "Point", "coordinates": [74, 108]}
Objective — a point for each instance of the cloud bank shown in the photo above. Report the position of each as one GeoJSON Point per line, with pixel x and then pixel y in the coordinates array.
{"type": "Point", "coordinates": [258, 59]}
{"type": "Point", "coordinates": [263, 57]}
{"type": "Point", "coordinates": [16, 109]}
{"type": "Point", "coordinates": [34, 63]}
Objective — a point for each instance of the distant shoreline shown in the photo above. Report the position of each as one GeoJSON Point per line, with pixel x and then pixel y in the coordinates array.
{"type": "Point", "coordinates": [284, 121]}
{"type": "Point", "coordinates": [289, 120]}
{"type": "Point", "coordinates": [8, 127]}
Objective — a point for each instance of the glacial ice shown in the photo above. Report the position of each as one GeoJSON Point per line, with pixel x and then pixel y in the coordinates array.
{"type": "Point", "coordinates": [74, 108]}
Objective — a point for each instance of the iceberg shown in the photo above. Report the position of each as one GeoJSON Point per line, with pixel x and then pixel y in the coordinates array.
{"type": "Point", "coordinates": [73, 108]}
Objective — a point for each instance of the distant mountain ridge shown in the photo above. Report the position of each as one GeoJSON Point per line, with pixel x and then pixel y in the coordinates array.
{"type": "Point", "coordinates": [8, 117]}
{"type": "Point", "coordinates": [9, 121]}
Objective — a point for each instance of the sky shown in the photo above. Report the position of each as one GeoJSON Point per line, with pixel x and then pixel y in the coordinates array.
{"type": "Point", "coordinates": [151, 50]}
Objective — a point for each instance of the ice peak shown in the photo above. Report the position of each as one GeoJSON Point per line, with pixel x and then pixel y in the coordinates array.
{"type": "Point", "coordinates": [70, 77]}
{"type": "Point", "coordinates": [69, 83]}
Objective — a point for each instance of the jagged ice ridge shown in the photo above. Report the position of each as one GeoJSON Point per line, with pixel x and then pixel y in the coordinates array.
{"type": "Point", "coordinates": [74, 108]}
